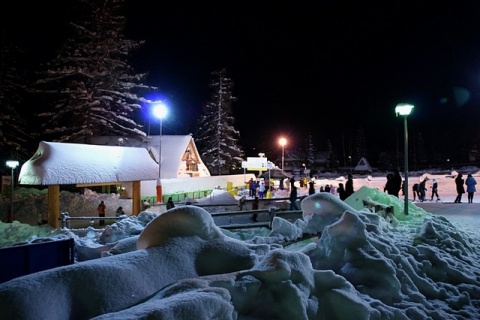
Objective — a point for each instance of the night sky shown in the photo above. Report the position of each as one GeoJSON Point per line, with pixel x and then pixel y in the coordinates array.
{"type": "Point", "coordinates": [324, 68]}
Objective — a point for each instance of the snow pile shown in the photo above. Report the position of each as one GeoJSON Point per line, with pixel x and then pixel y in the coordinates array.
{"type": "Point", "coordinates": [353, 265]}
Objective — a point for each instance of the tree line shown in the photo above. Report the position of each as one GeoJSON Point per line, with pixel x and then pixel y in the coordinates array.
{"type": "Point", "coordinates": [87, 87]}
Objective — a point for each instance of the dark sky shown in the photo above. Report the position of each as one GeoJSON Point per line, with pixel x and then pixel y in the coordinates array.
{"type": "Point", "coordinates": [326, 67]}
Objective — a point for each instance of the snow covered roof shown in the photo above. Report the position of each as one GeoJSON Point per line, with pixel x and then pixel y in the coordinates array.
{"type": "Point", "coordinates": [71, 163]}
{"type": "Point", "coordinates": [173, 147]}
{"type": "Point", "coordinates": [363, 165]}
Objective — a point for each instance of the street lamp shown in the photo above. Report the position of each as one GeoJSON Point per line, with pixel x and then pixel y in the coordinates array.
{"type": "Point", "coordinates": [159, 111]}
{"type": "Point", "coordinates": [12, 164]}
{"type": "Point", "coordinates": [283, 142]}
{"type": "Point", "coordinates": [404, 109]}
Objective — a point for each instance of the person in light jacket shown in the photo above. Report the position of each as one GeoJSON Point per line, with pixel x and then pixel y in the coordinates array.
{"type": "Point", "coordinates": [470, 183]}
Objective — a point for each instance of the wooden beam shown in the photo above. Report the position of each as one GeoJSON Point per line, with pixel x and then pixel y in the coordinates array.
{"type": "Point", "coordinates": [136, 199]}
{"type": "Point", "coordinates": [54, 206]}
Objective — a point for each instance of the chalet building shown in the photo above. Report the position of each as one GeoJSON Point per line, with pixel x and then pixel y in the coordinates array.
{"type": "Point", "coordinates": [180, 157]}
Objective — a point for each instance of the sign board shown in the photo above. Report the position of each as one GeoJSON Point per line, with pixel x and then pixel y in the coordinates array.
{"type": "Point", "coordinates": [255, 164]}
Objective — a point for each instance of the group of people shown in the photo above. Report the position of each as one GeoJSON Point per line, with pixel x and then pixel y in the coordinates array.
{"type": "Point", "coordinates": [258, 188]}
{"type": "Point", "coordinates": [343, 191]}
{"type": "Point", "coordinates": [470, 182]}
{"type": "Point", "coordinates": [102, 208]}
{"type": "Point", "coordinates": [420, 190]}
{"type": "Point", "coordinates": [395, 184]}
{"type": "Point", "coordinates": [392, 186]}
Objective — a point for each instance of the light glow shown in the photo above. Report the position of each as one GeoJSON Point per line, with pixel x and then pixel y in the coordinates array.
{"type": "Point", "coordinates": [12, 164]}
{"type": "Point", "coordinates": [160, 110]}
{"type": "Point", "coordinates": [403, 109]}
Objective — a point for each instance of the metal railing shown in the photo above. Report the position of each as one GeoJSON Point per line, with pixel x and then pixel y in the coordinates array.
{"type": "Point", "coordinates": [272, 213]}
{"type": "Point", "coordinates": [234, 221]}
{"type": "Point", "coordinates": [65, 219]}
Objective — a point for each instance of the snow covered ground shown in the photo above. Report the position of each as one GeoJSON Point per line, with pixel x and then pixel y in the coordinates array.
{"type": "Point", "coordinates": [355, 264]}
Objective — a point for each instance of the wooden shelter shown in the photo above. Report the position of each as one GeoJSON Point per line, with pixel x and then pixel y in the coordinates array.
{"type": "Point", "coordinates": [55, 164]}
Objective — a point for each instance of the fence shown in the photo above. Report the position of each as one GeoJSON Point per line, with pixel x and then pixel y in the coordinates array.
{"type": "Point", "coordinates": [181, 196]}
{"type": "Point", "coordinates": [21, 260]}
{"type": "Point", "coordinates": [65, 219]}
{"type": "Point", "coordinates": [178, 197]}
{"type": "Point", "coordinates": [240, 219]}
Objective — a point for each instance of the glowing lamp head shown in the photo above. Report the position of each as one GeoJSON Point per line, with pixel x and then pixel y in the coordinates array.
{"type": "Point", "coordinates": [403, 109]}
{"type": "Point", "coordinates": [12, 164]}
{"type": "Point", "coordinates": [282, 141]}
{"type": "Point", "coordinates": [160, 110]}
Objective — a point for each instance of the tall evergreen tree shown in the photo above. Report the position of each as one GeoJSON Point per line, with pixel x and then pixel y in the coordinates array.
{"type": "Point", "coordinates": [332, 156]}
{"type": "Point", "coordinates": [93, 89]}
{"type": "Point", "coordinates": [14, 137]}
{"type": "Point", "coordinates": [360, 146]}
{"type": "Point", "coordinates": [309, 151]}
{"type": "Point", "coordinates": [216, 137]}
{"type": "Point", "coordinates": [421, 152]}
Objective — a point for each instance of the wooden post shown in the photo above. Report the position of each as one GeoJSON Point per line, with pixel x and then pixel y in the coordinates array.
{"type": "Point", "coordinates": [54, 206]}
{"type": "Point", "coordinates": [271, 215]}
{"type": "Point", "coordinates": [136, 199]}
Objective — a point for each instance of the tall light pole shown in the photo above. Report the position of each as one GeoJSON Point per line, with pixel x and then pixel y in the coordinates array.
{"type": "Point", "coordinates": [283, 142]}
{"type": "Point", "coordinates": [404, 109]}
{"type": "Point", "coordinates": [12, 164]}
{"type": "Point", "coordinates": [160, 112]}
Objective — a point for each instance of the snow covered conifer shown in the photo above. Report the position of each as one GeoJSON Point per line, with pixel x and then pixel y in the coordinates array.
{"type": "Point", "coordinates": [216, 138]}
{"type": "Point", "coordinates": [14, 138]}
{"type": "Point", "coordinates": [92, 88]}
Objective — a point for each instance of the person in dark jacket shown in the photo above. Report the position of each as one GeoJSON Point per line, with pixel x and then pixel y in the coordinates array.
{"type": "Point", "coordinates": [311, 188]}
{"type": "Point", "coordinates": [119, 212]}
{"type": "Point", "coordinates": [341, 191]}
{"type": "Point", "coordinates": [293, 197]}
{"type": "Point", "coordinates": [435, 190]}
{"type": "Point", "coordinates": [470, 183]}
{"type": "Point", "coordinates": [416, 193]}
{"type": "Point", "coordinates": [170, 203]}
{"type": "Point", "coordinates": [255, 207]}
{"type": "Point", "coordinates": [396, 183]}
{"type": "Point", "coordinates": [388, 188]}
{"type": "Point", "coordinates": [422, 189]}
{"type": "Point", "coordinates": [349, 187]}
{"type": "Point", "coordinates": [460, 189]}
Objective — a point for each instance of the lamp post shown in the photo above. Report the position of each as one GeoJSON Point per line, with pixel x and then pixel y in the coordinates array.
{"type": "Point", "coordinates": [12, 164]}
{"type": "Point", "coordinates": [159, 111]}
{"type": "Point", "coordinates": [283, 142]}
{"type": "Point", "coordinates": [404, 109]}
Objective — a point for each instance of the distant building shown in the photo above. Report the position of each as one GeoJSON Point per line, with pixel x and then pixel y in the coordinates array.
{"type": "Point", "coordinates": [180, 157]}
{"type": "Point", "coordinates": [363, 167]}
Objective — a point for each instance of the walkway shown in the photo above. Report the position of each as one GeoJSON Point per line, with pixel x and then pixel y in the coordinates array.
{"type": "Point", "coordinates": [465, 216]}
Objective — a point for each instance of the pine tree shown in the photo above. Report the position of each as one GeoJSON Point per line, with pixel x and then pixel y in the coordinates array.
{"type": "Point", "coordinates": [360, 147]}
{"type": "Point", "coordinates": [421, 152]}
{"type": "Point", "coordinates": [309, 151]}
{"type": "Point", "coordinates": [92, 88]}
{"type": "Point", "coordinates": [332, 156]}
{"type": "Point", "coordinates": [216, 138]}
{"type": "Point", "coordinates": [14, 138]}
